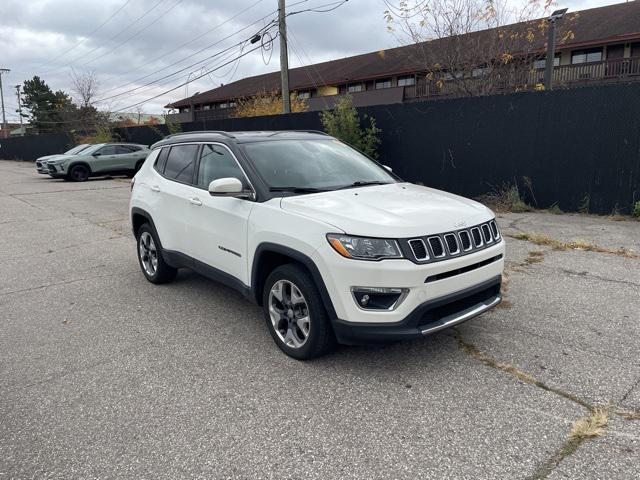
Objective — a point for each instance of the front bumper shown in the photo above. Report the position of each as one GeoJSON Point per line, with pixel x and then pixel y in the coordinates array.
{"type": "Point", "coordinates": [439, 294]}
{"type": "Point", "coordinates": [430, 317]}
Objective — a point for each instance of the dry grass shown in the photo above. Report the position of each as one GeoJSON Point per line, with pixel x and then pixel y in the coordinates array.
{"type": "Point", "coordinates": [534, 256]}
{"type": "Point", "coordinates": [590, 426]}
{"type": "Point", "coordinates": [506, 198]}
{"type": "Point", "coordinates": [539, 239]}
{"type": "Point", "coordinates": [628, 414]}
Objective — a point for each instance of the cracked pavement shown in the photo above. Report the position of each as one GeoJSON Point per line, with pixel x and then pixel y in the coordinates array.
{"type": "Point", "coordinates": [103, 375]}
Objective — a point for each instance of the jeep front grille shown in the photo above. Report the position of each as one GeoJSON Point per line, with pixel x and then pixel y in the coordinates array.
{"type": "Point", "coordinates": [442, 246]}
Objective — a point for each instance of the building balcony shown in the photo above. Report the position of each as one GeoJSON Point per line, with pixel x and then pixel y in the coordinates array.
{"type": "Point", "coordinates": [564, 76]}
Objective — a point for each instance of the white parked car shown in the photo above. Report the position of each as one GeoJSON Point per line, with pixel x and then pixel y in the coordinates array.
{"type": "Point", "coordinates": [331, 244]}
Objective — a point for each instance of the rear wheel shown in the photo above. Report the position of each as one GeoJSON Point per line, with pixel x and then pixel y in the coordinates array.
{"type": "Point", "coordinates": [153, 266]}
{"type": "Point", "coordinates": [79, 173]}
{"type": "Point", "coordinates": [295, 314]}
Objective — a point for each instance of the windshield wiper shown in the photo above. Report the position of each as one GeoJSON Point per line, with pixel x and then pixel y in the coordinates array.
{"type": "Point", "coordinates": [297, 189]}
{"type": "Point", "coordinates": [363, 183]}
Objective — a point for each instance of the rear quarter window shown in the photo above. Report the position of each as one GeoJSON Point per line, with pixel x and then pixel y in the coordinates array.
{"type": "Point", "coordinates": [161, 161]}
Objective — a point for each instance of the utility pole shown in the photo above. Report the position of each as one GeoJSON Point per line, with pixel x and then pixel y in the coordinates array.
{"type": "Point", "coordinates": [551, 48]}
{"type": "Point", "coordinates": [4, 119]}
{"type": "Point", "coordinates": [20, 110]}
{"type": "Point", "coordinates": [284, 58]}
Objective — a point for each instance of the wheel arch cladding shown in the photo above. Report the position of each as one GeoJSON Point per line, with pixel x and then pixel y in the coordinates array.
{"type": "Point", "coordinates": [269, 256]}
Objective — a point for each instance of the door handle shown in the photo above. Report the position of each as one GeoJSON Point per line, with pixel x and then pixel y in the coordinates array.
{"type": "Point", "coordinates": [195, 201]}
{"type": "Point", "coordinates": [155, 188]}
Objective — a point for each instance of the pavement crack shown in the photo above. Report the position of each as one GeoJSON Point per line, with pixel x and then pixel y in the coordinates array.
{"type": "Point", "coordinates": [559, 245]}
{"type": "Point", "coordinates": [55, 284]}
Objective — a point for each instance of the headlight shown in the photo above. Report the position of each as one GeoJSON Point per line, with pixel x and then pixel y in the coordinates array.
{"type": "Point", "coordinates": [363, 248]}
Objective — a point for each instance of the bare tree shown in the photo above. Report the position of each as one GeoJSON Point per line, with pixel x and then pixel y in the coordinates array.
{"type": "Point", "coordinates": [474, 47]}
{"type": "Point", "coordinates": [85, 86]}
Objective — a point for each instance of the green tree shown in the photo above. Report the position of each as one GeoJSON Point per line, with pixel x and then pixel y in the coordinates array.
{"type": "Point", "coordinates": [48, 111]}
{"type": "Point", "coordinates": [343, 122]}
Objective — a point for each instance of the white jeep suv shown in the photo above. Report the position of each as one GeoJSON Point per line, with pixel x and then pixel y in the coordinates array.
{"type": "Point", "coordinates": [331, 244]}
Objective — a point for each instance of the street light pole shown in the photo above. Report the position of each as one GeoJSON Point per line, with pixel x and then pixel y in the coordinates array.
{"type": "Point", "coordinates": [20, 110]}
{"type": "Point", "coordinates": [284, 59]}
{"type": "Point", "coordinates": [4, 119]}
{"type": "Point", "coordinates": [551, 48]}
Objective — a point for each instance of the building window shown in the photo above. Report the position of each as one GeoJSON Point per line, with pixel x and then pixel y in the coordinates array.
{"type": "Point", "coordinates": [406, 80]}
{"type": "Point", "coordinates": [233, 104]}
{"type": "Point", "coordinates": [586, 56]}
{"type": "Point", "coordinates": [183, 109]}
{"type": "Point", "coordinates": [223, 105]}
{"type": "Point", "coordinates": [355, 87]}
{"type": "Point", "coordinates": [304, 95]}
{"type": "Point", "coordinates": [541, 63]}
{"type": "Point", "coordinates": [386, 83]}
{"type": "Point", "coordinates": [206, 107]}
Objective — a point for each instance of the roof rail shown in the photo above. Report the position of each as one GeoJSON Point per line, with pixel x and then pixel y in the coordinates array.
{"type": "Point", "coordinates": [220, 132]}
{"type": "Point", "coordinates": [298, 131]}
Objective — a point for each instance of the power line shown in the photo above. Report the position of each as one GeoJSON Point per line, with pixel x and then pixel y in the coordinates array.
{"type": "Point", "coordinates": [188, 81]}
{"type": "Point", "coordinates": [270, 25]}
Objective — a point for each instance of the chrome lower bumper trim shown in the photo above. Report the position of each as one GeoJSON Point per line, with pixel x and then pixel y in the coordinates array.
{"type": "Point", "coordinates": [463, 316]}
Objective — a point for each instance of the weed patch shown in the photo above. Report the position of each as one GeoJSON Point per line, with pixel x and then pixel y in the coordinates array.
{"type": "Point", "coordinates": [573, 245]}
{"type": "Point", "coordinates": [506, 198]}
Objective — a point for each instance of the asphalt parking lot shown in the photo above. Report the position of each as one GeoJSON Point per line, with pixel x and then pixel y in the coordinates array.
{"type": "Point", "coordinates": [103, 375]}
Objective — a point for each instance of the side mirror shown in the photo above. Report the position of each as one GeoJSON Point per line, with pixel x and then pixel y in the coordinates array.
{"type": "Point", "coordinates": [97, 154]}
{"type": "Point", "coordinates": [387, 167]}
{"type": "Point", "coordinates": [229, 187]}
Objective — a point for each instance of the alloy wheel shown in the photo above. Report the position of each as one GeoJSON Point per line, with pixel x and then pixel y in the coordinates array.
{"type": "Point", "coordinates": [289, 314]}
{"type": "Point", "coordinates": [148, 253]}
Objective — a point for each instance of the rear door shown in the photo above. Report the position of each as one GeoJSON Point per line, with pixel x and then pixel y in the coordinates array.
{"type": "Point", "coordinates": [218, 225]}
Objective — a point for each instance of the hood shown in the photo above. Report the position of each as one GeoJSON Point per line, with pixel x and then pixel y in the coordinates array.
{"type": "Point", "coordinates": [62, 158]}
{"type": "Point", "coordinates": [49, 157]}
{"type": "Point", "coordinates": [398, 210]}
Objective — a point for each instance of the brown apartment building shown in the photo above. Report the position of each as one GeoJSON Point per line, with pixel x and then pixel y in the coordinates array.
{"type": "Point", "coordinates": [603, 47]}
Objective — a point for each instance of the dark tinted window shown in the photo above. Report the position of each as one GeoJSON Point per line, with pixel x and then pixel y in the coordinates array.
{"type": "Point", "coordinates": [162, 160]}
{"type": "Point", "coordinates": [181, 163]}
{"type": "Point", "coordinates": [122, 149]}
{"type": "Point", "coordinates": [217, 162]}
{"type": "Point", "coordinates": [108, 150]}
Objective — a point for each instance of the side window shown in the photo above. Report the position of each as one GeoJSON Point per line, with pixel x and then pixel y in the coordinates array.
{"type": "Point", "coordinates": [121, 150]}
{"type": "Point", "coordinates": [181, 163]}
{"type": "Point", "coordinates": [107, 150]}
{"type": "Point", "coordinates": [218, 162]}
{"type": "Point", "coordinates": [162, 160]}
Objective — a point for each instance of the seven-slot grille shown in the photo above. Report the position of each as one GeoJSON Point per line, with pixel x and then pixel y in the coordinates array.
{"type": "Point", "coordinates": [449, 244]}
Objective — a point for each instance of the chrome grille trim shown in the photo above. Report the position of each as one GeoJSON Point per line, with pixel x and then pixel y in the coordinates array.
{"type": "Point", "coordinates": [439, 240]}
{"type": "Point", "coordinates": [477, 244]}
{"type": "Point", "coordinates": [495, 230]}
{"type": "Point", "coordinates": [486, 233]}
{"type": "Point", "coordinates": [467, 235]}
{"type": "Point", "coordinates": [455, 241]}
{"type": "Point", "coordinates": [413, 250]}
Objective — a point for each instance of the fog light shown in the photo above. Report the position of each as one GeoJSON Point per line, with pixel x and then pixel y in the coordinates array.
{"type": "Point", "coordinates": [379, 298]}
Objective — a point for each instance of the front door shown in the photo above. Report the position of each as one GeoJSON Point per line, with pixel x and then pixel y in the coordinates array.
{"type": "Point", "coordinates": [218, 225]}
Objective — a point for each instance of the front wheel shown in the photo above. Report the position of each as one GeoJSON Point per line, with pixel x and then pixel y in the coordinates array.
{"type": "Point", "coordinates": [295, 314]}
{"type": "Point", "coordinates": [153, 266]}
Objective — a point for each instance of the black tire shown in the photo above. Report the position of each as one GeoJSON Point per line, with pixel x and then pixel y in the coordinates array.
{"type": "Point", "coordinates": [162, 273]}
{"type": "Point", "coordinates": [78, 173]}
{"type": "Point", "coordinates": [320, 338]}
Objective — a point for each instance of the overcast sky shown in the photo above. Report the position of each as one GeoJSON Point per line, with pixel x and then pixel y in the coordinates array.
{"type": "Point", "coordinates": [128, 44]}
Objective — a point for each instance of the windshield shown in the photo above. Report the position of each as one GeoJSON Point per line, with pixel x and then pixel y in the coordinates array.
{"type": "Point", "coordinates": [313, 164]}
{"type": "Point", "coordinates": [76, 149]}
